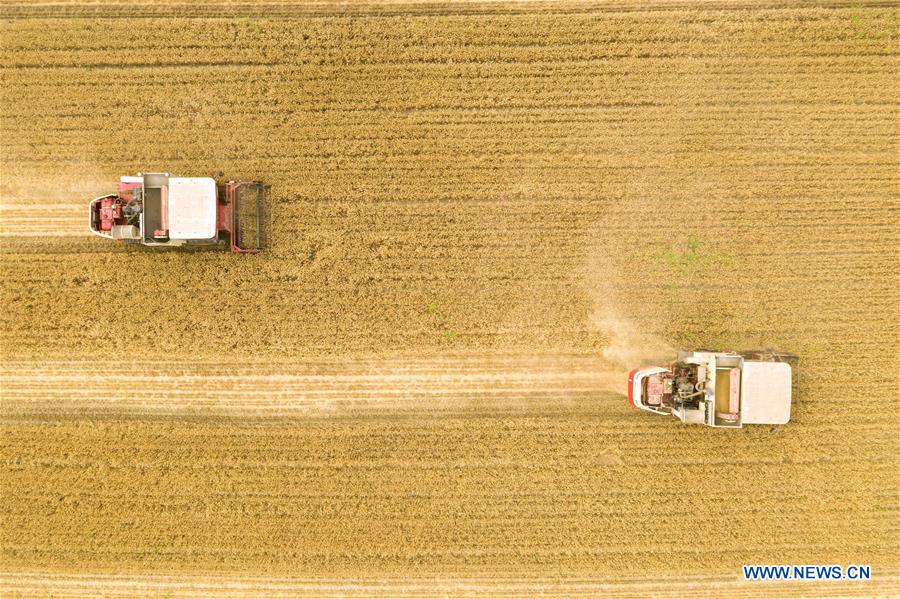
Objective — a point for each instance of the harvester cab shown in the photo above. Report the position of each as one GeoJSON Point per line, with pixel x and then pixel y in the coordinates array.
{"type": "Point", "coordinates": [159, 210]}
{"type": "Point", "coordinates": [719, 389]}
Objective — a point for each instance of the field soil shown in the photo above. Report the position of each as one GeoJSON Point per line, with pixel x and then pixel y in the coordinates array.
{"type": "Point", "coordinates": [483, 214]}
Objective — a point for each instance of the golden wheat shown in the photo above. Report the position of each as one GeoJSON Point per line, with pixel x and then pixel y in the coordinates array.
{"type": "Point", "coordinates": [482, 213]}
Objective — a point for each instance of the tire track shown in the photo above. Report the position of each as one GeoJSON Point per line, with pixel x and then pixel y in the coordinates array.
{"type": "Point", "coordinates": [405, 385]}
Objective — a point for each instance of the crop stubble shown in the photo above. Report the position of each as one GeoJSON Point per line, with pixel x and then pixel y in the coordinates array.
{"type": "Point", "coordinates": [471, 208]}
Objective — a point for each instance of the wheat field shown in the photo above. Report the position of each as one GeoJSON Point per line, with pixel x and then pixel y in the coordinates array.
{"type": "Point", "coordinates": [483, 215]}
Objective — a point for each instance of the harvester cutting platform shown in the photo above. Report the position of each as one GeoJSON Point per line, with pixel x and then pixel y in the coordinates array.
{"type": "Point", "coordinates": [719, 389]}
{"type": "Point", "coordinates": [159, 210]}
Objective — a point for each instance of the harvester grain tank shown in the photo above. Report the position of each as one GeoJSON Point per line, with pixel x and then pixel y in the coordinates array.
{"type": "Point", "coordinates": [719, 389]}
{"type": "Point", "coordinates": [159, 210]}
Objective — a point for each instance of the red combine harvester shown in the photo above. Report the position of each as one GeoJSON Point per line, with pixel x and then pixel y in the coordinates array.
{"type": "Point", "coordinates": [158, 210]}
{"type": "Point", "coordinates": [719, 389]}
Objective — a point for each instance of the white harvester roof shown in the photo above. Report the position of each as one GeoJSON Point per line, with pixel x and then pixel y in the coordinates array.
{"type": "Point", "coordinates": [765, 393]}
{"type": "Point", "coordinates": [192, 208]}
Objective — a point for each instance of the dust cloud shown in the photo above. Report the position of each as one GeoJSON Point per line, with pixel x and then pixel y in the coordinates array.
{"type": "Point", "coordinates": [626, 342]}
{"type": "Point", "coordinates": [74, 183]}
{"type": "Point", "coordinates": [628, 346]}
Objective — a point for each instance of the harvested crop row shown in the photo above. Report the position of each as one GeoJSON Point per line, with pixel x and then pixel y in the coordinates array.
{"type": "Point", "coordinates": [327, 388]}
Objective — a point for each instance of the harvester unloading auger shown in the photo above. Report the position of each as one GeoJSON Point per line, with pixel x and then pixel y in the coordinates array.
{"type": "Point", "coordinates": [719, 389]}
{"type": "Point", "coordinates": [159, 210]}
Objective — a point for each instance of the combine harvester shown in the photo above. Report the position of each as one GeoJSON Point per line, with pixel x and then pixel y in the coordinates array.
{"type": "Point", "coordinates": [719, 389]}
{"type": "Point", "coordinates": [158, 210]}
